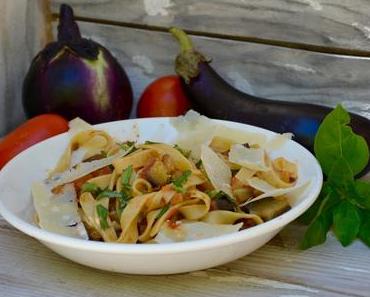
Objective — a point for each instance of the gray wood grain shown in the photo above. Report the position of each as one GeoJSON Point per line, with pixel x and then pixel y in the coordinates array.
{"type": "Point", "coordinates": [277, 269]}
{"type": "Point", "coordinates": [266, 71]}
{"type": "Point", "coordinates": [22, 34]}
{"type": "Point", "coordinates": [333, 23]}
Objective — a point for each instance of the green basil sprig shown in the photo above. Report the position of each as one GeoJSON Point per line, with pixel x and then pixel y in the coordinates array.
{"type": "Point", "coordinates": [344, 202]}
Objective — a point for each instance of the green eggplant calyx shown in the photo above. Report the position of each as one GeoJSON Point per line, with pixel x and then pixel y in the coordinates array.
{"type": "Point", "coordinates": [187, 61]}
{"type": "Point", "coordinates": [68, 30]}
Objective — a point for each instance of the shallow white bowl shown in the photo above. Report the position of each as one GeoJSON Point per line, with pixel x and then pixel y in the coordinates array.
{"type": "Point", "coordinates": [17, 208]}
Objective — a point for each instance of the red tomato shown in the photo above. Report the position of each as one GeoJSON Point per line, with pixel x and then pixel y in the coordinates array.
{"type": "Point", "coordinates": [164, 97]}
{"type": "Point", "coordinates": [32, 131]}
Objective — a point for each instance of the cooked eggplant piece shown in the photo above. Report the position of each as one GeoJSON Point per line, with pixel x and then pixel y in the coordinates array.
{"type": "Point", "coordinates": [268, 208]}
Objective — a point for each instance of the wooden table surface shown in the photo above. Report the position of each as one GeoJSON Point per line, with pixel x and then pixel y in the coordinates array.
{"type": "Point", "coordinates": [277, 269]}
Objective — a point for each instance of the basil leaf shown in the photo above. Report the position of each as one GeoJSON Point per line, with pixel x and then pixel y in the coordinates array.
{"type": "Point", "coordinates": [363, 193]}
{"type": "Point", "coordinates": [364, 233]}
{"type": "Point", "coordinates": [90, 187]}
{"type": "Point", "coordinates": [316, 232]}
{"type": "Point", "coordinates": [103, 216]}
{"type": "Point", "coordinates": [340, 174]}
{"type": "Point", "coordinates": [335, 139]}
{"type": "Point", "coordinates": [163, 211]}
{"type": "Point", "coordinates": [181, 180]}
{"type": "Point", "coordinates": [108, 194]}
{"type": "Point", "coordinates": [346, 222]}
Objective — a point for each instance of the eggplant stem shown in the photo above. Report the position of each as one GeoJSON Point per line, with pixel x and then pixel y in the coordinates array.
{"type": "Point", "coordinates": [182, 38]}
{"type": "Point", "coordinates": [68, 30]}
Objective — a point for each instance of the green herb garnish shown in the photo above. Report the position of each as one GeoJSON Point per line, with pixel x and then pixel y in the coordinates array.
{"type": "Point", "coordinates": [127, 145]}
{"type": "Point", "coordinates": [150, 142]}
{"type": "Point", "coordinates": [179, 182]}
{"type": "Point", "coordinates": [215, 195]}
{"type": "Point", "coordinates": [90, 187]}
{"type": "Point", "coordinates": [184, 152]}
{"type": "Point", "coordinates": [163, 211]}
{"type": "Point", "coordinates": [344, 202]}
{"type": "Point", "coordinates": [126, 178]}
{"type": "Point", "coordinates": [103, 216]}
{"type": "Point", "coordinates": [108, 194]}
{"type": "Point", "coordinates": [199, 164]}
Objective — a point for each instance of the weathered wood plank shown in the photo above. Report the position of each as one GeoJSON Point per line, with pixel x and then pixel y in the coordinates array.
{"type": "Point", "coordinates": [29, 269]}
{"type": "Point", "coordinates": [266, 71]}
{"type": "Point", "coordinates": [22, 34]}
{"type": "Point", "coordinates": [330, 23]}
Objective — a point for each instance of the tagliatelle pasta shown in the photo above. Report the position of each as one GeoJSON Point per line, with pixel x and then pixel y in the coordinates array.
{"type": "Point", "coordinates": [129, 192]}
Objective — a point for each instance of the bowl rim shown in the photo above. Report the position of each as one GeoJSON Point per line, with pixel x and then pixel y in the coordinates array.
{"type": "Point", "coordinates": [164, 248]}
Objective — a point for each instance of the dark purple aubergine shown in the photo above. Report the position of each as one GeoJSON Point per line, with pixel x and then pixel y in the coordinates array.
{"type": "Point", "coordinates": [214, 97]}
{"type": "Point", "coordinates": [76, 77]}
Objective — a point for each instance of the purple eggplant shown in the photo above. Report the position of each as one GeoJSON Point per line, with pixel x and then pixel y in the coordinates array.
{"type": "Point", "coordinates": [76, 77]}
{"type": "Point", "coordinates": [214, 97]}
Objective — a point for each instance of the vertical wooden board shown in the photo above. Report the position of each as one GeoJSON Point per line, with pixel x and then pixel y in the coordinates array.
{"type": "Point", "coordinates": [22, 34]}
{"type": "Point", "coordinates": [266, 71]}
{"type": "Point", "coordinates": [331, 23]}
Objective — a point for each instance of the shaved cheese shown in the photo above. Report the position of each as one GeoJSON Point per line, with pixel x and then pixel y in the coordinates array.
{"type": "Point", "coordinates": [276, 192]}
{"type": "Point", "coordinates": [193, 131]}
{"type": "Point", "coordinates": [58, 212]}
{"type": "Point", "coordinates": [278, 141]}
{"type": "Point", "coordinates": [261, 185]}
{"type": "Point", "coordinates": [240, 136]}
{"type": "Point", "coordinates": [244, 175]}
{"type": "Point", "coordinates": [217, 170]}
{"type": "Point", "coordinates": [251, 158]}
{"type": "Point", "coordinates": [83, 169]}
{"type": "Point", "coordinates": [193, 231]}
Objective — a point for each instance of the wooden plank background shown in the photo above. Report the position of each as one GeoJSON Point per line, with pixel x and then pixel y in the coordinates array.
{"type": "Point", "coordinates": [331, 23]}
{"type": "Point", "coordinates": [277, 269]}
{"type": "Point", "coordinates": [262, 70]}
{"type": "Point", "coordinates": [136, 36]}
{"type": "Point", "coordinates": [22, 33]}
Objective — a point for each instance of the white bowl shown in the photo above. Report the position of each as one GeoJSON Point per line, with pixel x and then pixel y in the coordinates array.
{"type": "Point", "coordinates": [16, 207]}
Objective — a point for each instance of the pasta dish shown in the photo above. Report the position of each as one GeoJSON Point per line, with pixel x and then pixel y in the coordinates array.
{"type": "Point", "coordinates": [152, 192]}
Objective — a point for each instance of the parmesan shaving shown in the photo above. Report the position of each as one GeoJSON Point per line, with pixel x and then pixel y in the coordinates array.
{"type": "Point", "coordinates": [193, 131]}
{"type": "Point", "coordinates": [251, 158]}
{"type": "Point", "coordinates": [58, 212]}
{"type": "Point", "coordinates": [83, 169]}
{"type": "Point", "coordinates": [244, 175]}
{"type": "Point", "coordinates": [217, 170]}
{"type": "Point", "coordinates": [240, 136]}
{"type": "Point", "coordinates": [276, 192]}
{"type": "Point", "coordinates": [278, 141]}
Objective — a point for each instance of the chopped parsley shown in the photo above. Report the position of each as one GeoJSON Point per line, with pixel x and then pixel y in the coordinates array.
{"type": "Point", "coordinates": [184, 152]}
{"type": "Point", "coordinates": [103, 216]}
{"type": "Point", "coordinates": [91, 188]}
{"type": "Point", "coordinates": [127, 145]}
{"type": "Point", "coordinates": [199, 164]}
{"type": "Point", "coordinates": [126, 178]}
{"type": "Point", "coordinates": [150, 142]}
{"type": "Point", "coordinates": [216, 195]}
{"type": "Point", "coordinates": [163, 211]}
{"type": "Point", "coordinates": [179, 182]}
{"type": "Point", "coordinates": [108, 194]}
